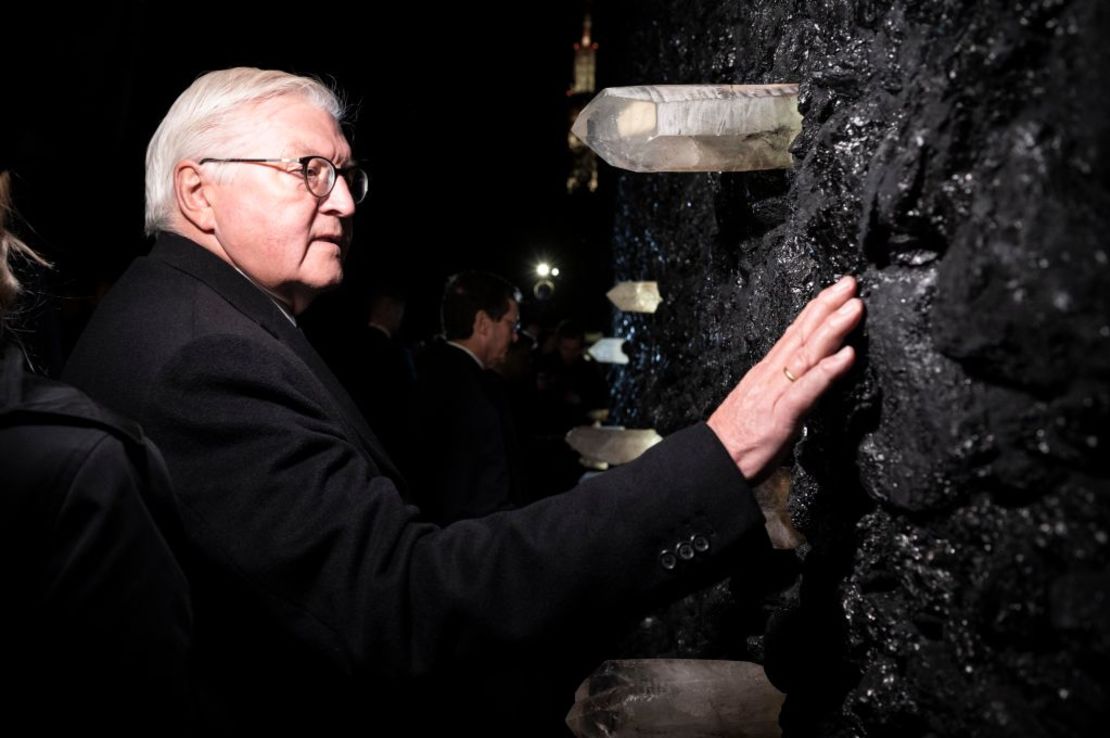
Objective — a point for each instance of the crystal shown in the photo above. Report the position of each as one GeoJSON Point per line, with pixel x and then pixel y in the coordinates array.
{"type": "Point", "coordinates": [692, 128]}
{"type": "Point", "coordinates": [635, 297]}
{"type": "Point", "coordinates": [773, 496]}
{"type": "Point", "coordinates": [609, 351]}
{"type": "Point", "coordinates": [598, 415]}
{"type": "Point", "coordinates": [611, 444]}
{"type": "Point", "coordinates": [677, 698]}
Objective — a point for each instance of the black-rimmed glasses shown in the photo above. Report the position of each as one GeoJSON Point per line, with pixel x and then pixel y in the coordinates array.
{"type": "Point", "coordinates": [320, 175]}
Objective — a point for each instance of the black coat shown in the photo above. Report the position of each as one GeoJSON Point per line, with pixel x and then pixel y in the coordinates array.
{"type": "Point", "coordinates": [96, 622]}
{"type": "Point", "coordinates": [318, 592]}
{"type": "Point", "coordinates": [461, 413]}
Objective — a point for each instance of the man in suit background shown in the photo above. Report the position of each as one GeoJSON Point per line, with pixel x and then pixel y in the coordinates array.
{"type": "Point", "coordinates": [359, 339]}
{"type": "Point", "coordinates": [319, 594]}
{"type": "Point", "coordinates": [462, 411]}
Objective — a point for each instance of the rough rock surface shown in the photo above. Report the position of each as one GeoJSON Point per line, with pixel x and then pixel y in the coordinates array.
{"type": "Point", "coordinates": [954, 490]}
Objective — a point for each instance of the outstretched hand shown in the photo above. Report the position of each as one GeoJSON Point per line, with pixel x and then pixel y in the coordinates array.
{"type": "Point", "coordinates": [759, 418]}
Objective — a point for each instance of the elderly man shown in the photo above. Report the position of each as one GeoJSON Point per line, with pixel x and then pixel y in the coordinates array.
{"type": "Point", "coordinates": [318, 592]}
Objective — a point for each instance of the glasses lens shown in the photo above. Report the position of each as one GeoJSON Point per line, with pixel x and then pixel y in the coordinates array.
{"type": "Point", "coordinates": [357, 182]}
{"type": "Point", "coordinates": [319, 175]}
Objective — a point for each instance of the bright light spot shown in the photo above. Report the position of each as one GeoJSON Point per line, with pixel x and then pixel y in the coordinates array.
{"type": "Point", "coordinates": [543, 269]}
{"type": "Point", "coordinates": [554, 271]}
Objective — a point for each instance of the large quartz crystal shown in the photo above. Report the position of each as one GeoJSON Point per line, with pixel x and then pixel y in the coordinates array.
{"type": "Point", "coordinates": [692, 128]}
{"type": "Point", "coordinates": [611, 445]}
{"type": "Point", "coordinates": [677, 698]}
{"type": "Point", "coordinates": [609, 351]}
{"type": "Point", "coordinates": [635, 297]}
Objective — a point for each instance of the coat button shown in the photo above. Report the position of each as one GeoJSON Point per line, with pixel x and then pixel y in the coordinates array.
{"type": "Point", "coordinates": [667, 560]}
{"type": "Point", "coordinates": [685, 551]}
{"type": "Point", "coordinates": [700, 543]}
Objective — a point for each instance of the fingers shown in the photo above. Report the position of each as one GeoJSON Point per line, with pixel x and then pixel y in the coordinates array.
{"type": "Point", "coordinates": [825, 340]}
{"type": "Point", "coordinates": [760, 416]}
{"type": "Point", "coordinates": [802, 394]}
{"type": "Point", "coordinates": [828, 301]}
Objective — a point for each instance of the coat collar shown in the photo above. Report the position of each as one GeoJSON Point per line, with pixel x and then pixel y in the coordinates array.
{"type": "Point", "coordinates": [193, 259]}
{"type": "Point", "coordinates": [246, 297]}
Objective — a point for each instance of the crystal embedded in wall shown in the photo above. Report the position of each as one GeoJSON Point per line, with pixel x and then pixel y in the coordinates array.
{"type": "Point", "coordinates": [611, 445]}
{"type": "Point", "coordinates": [608, 351]}
{"type": "Point", "coordinates": [676, 697]}
{"type": "Point", "coordinates": [635, 297]}
{"type": "Point", "coordinates": [693, 128]}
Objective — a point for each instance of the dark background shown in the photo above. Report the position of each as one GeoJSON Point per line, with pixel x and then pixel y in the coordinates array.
{"type": "Point", "coordinates": [953, 490]}
{"type": "Point", "coordinates": [460, 116]}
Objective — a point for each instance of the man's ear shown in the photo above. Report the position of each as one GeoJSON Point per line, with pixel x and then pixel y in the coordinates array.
{"type": "Point", "coordinates": [191, 189]}
{"type": "Point", "coordinates": [482, 324]}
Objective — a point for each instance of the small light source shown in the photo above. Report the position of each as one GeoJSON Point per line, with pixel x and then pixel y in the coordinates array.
{"type": "Point", "coordinates": [554, 271]}
{"type": "Point", "coordinates": [543, 269]}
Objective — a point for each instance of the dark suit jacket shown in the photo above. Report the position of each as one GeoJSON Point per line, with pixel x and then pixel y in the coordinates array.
{"type": "Point", "coordinates": [317, 590]}
{"type": "Point", "coordinates": [96, 622]}
{"type": "Point", "coordinates": [462, 415]}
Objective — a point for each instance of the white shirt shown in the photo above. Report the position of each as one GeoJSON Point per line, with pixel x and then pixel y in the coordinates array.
{"type": "Point", "coordinates": [460, 347]}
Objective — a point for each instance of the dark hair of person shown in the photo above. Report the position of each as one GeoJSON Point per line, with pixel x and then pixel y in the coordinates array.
{"type": "Point", "coordinates": [468, 292]}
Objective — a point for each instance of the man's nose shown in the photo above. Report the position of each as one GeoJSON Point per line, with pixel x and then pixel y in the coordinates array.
{"type": "Point", "coordinates": [339, 201]}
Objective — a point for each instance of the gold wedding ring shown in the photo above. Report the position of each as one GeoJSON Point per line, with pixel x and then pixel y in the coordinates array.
{"type": "Point", "coordinates": [789, 374]}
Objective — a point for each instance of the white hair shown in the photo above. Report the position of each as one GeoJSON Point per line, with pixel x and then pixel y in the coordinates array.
{"type": "Point", "coordinates": [197, 125]}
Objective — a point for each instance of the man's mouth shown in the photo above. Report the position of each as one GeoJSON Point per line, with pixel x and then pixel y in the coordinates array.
{"type": "Point", "coordinates": [339, 241]}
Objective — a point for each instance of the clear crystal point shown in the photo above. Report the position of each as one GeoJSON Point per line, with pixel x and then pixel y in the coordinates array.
{"type": "Point", "coordinates": [678, 698]}
{"type": "Point", "coordinates": [635, 297]}
{"type": "Point", "coordinates": [692, 128]}
{"type": "Point", "coordinates": [611, 445]}
{"type": "Point", "coordinates": [608, 351]}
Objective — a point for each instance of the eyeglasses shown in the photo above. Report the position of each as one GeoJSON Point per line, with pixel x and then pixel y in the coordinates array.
{"type": "Point", "coordinates": [320, 175]}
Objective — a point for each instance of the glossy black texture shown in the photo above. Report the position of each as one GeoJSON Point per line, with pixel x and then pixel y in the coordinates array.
{"type": "Point", "coordinates": [954, 490]}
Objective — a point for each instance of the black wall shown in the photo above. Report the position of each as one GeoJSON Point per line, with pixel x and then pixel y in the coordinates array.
{"type": "Point", "coordinates": [954, 490]}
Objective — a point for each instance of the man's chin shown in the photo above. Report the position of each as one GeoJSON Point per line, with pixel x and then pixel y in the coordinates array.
{"type": "Point", "coordinates": [328, 274]}
{"type": "Point", "coordinates": [329, 284]}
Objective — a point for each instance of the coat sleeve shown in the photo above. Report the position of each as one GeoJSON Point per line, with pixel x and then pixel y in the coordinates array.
{"type": "Point", "coordinates": [311, 537]}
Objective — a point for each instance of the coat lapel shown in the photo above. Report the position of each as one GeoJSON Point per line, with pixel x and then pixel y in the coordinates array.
{"type": "Point", "coordinates": [256, 305]}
